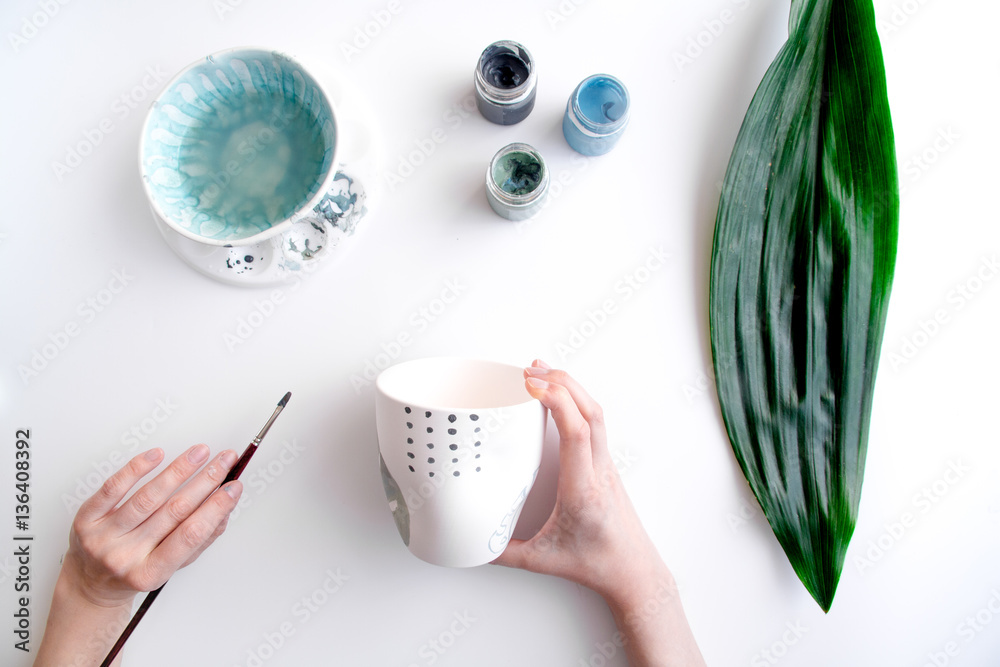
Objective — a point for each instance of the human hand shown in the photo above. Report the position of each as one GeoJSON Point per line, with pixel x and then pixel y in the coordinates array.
{"type": "Point", "coordinates": [594, 536]}
{"type": "Point", "coordinates": [116, 551]}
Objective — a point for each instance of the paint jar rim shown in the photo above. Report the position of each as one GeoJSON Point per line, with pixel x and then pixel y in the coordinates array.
{"type": "Point", "coordinates": [514, 200]}
{"type": "Point", "coordinates": [502, 96]}
{"type": "Point", "coordinates": [587, 125]}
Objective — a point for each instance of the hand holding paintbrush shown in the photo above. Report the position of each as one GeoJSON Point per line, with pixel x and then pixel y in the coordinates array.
{"type": "Point", "coordinates": [118, 550]}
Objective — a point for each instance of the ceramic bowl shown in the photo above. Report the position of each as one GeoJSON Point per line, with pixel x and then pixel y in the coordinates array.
{"type": "Point", "coordinates": [238, 146]}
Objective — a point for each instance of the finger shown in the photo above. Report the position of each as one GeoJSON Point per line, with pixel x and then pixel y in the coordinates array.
{"type": "Point", "coordinates": [152, 495]}
{"type": "Point", "coordinates": [185, 501]}
{"type": "Point", "coordinates": [575, 458]}
{"type": "Point", "coordinates": [535, 555]}
{"type": "Point", "coordinates": [190, 538]}
{"type": "Point", "coordinates": [514, 555]}
{"type": "Point", "coordinates": [219, 530]}
{"type": "Point", "coordinates": [588, 407]}
{"type": "Point", "coordinates": [115, 487]}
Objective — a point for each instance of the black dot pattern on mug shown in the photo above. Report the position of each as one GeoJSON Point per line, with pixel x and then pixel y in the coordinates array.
{"type": "Point", "coordinates": [461, 442]}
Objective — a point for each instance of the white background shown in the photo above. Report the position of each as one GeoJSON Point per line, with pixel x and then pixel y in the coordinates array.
{"type": "Point", "coordinates": [525, 290]}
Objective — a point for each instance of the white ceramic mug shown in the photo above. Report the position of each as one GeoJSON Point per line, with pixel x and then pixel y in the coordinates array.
{"type": "Point", "coordinates": [460, 443]}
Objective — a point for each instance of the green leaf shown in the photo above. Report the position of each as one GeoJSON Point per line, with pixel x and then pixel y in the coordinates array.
{"type": "Point", "coordinates": [802, 263]}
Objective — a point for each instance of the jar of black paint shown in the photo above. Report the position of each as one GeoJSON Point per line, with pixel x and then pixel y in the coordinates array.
{"type": "Point", "coordinates": [505, 83]}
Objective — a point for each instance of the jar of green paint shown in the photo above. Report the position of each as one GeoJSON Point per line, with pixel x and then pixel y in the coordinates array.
{"type": "Point", "coordinates": [517, 181]}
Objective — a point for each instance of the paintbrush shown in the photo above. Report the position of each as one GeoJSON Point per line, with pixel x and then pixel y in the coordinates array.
{"type": "Point", "coordinates": [234, 473]}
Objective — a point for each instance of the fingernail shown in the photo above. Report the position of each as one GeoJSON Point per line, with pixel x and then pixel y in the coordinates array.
{"type": "Point", "coordinates": [228, 458]}
{"type": "Point", "coordinates": [537, 384]}
{"type": "Point", "coordinates": [535, 370]}
{"type": "Point", "coordinates": [198, 454]}
{"type": "Point", "coordinates": [233, 489]}
{"type": "Point", "coordinates": [153, 454]}
{"type": "Point", "coordinates": [539, 362]}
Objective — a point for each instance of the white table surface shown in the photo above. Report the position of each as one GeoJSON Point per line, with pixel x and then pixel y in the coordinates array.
{"type": "Point", "coordinates": [161, 340]}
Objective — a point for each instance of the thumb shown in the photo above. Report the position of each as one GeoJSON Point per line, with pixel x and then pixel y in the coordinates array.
{"type": "Point", "coordinates": [515, 555]}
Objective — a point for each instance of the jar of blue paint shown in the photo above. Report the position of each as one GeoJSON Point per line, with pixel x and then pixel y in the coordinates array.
{"type": "Point", "coordinates": [596, 114]}
{"type": "Point", "coordinates": [517, 181]}
{"type": "Point", "coordinates": [505, 83]}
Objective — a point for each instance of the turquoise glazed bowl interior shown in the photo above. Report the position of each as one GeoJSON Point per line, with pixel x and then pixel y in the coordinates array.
{"type": "Point", "coordinates": [237, 146]}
